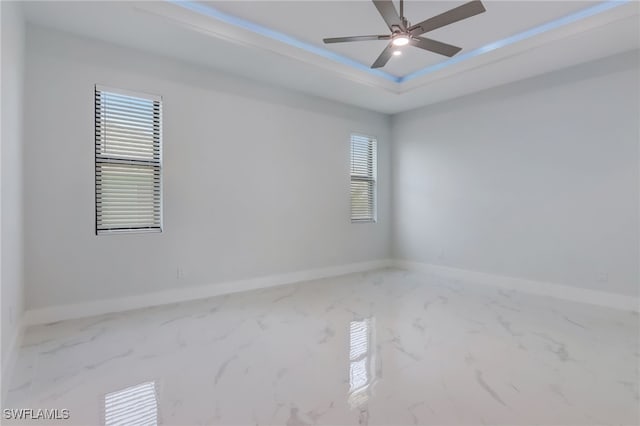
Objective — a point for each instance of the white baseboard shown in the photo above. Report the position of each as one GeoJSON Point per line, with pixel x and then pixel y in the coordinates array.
{"type": "Point", "coordinates": [89, 309]}
{"type": "Point", "coordinates": [9, 363]}
{"type": "Point", "coordinates": [541, 288]}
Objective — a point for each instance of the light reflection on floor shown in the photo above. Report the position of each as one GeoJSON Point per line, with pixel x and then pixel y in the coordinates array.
{"type": "Point", "coordinates": [133, 406]}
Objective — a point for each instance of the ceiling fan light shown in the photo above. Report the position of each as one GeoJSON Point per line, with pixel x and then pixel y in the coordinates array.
{"type": "Point", "coordinates": [401, 40]}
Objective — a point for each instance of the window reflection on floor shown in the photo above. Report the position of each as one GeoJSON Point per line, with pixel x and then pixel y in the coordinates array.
{"type": "Point", "coordinates": [361, 361]}
{"type": "Point", "coordinates": [133, 406]}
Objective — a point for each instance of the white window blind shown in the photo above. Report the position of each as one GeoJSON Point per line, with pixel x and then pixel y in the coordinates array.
{"type": "Point", "coordinates": [128, 161]}
{"type": "Point", "coordinates": [363, 178]}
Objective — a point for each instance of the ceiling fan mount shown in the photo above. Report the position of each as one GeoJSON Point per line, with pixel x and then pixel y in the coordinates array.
{"type": "Point", "coordinates": [403, 33]}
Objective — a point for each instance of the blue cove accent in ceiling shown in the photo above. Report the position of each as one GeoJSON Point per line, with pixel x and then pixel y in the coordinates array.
{"type": "Point", "coordinates": [326, 53]}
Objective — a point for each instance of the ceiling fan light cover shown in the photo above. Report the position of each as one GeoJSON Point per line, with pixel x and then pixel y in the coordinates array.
{"type": "Point", "coordinates": [401, 40]}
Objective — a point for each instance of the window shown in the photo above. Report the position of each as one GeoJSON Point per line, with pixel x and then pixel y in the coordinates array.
{"type": "Point", "coordinates": [128, 161]}
{"type": "Point", "coordinates": [363, 178]}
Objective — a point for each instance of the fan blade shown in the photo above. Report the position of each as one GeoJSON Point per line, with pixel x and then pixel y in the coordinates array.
{"type": "Point", "coordinates": [356, 38]}
{"type": "Point", "coordinates": [435, 46]}
{"type": "Point", "coordinates": [389, 14]}
{"type": "Point", "coordinates": [384, 57]}
{"type": "Point", "coordinates": [459, 13]}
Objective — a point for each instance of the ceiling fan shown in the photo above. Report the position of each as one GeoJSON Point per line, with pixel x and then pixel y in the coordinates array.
{"type": "Point", "coordinates": [403, 33]}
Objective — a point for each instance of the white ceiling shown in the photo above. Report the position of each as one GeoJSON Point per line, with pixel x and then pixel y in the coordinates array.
{"type": "Point", "coordinates": [311, 21]}
{"type": "Point", "coordinates": [203, 38]}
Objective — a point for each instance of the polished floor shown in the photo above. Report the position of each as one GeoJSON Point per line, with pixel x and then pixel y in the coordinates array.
{"type": "Point", "coordinates": [386, 347]}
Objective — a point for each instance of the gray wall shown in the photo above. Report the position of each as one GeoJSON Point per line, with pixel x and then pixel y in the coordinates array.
{"type": "Point", "coordinates": [11, 87]}
{"type": "Point", "coordinates": [256, 179]}
{"type": "Point", "coordinates": [536, 179]}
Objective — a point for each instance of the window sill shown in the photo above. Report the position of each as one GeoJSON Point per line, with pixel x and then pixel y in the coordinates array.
{"type": "Point", "coordinates": [129, 231]}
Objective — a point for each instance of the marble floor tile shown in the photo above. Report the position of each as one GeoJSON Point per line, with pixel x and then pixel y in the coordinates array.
{"type": "Point", "coordinates": [386, 347]}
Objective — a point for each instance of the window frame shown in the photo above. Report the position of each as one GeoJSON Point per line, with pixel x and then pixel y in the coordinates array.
{"type": "Point", "coordinates": [159, 163]}
{"type": "Point", "coordinates": [373, 180]}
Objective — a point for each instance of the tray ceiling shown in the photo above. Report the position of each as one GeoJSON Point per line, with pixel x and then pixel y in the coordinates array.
{"type": "Point", "coordinates": [280, 42]}
{"type": "Point", "coordinates": [311, 21]}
